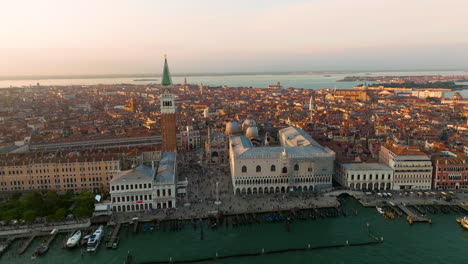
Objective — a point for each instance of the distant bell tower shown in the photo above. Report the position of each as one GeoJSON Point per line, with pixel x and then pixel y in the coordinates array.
{"type": "Point", "coordinates": [168, 112]}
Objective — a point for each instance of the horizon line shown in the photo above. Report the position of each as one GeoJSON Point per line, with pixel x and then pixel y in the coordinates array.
{"type": "Point", "coordinates": [195, 74]}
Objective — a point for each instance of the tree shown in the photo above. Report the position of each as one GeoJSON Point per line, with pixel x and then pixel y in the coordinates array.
{"type": "Point", "coordinates": [60, 214]}
{"type": "Point", "coordinates": [29, 215]}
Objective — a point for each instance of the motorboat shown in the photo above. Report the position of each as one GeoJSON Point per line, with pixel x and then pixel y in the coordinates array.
{"type": "Point", "coordinates": [40, 250]}
{"type": "Point", "coordinates": [74, 239]}
{"type": "Point", "coordinates": [380, 210]}
{"type": "Point", "coordinates": [463, 222]}
{"type": "Point", "coordinates": [95, 239]}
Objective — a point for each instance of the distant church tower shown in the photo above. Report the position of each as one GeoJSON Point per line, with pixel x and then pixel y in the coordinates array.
{"type": "Point", "coordinates": [168, 112]}
{"type": "Point", "coordinates": [311, 104]}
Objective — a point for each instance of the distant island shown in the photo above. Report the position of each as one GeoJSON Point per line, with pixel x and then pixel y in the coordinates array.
{"type": "Point", "coordinates": [407, 79]}
{"type": "Point", "coordinates": [432, 85]}
{"type": "Point", "coordinates": [145, 80]}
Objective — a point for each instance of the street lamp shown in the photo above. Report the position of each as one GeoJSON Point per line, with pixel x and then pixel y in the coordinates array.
{"type": "Point", "coordinates": [217, 202]}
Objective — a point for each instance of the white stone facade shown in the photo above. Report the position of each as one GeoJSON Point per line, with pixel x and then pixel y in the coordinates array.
{"type": "Point", "coordinates": [132, 190]}
{"type": "Point", "coordinates": [301, 164]}
{"type": "Point", "coordinates": [365, 176]}
{"type": "Point", "coordinates": [412, 168]}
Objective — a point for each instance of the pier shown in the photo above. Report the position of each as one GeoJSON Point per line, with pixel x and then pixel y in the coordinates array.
{"type": "Point", "coordinates": [114, 236]}
{"type": "Point", "coordinates": [5, 245]}
{"type": "Point", "coordinates": [26, 244]}
{"type": "Point", "coordinates": [412, 217]}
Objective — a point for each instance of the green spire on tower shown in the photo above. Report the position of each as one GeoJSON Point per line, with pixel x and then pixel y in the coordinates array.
{"type": "Point", "coordinates": [166, 78]}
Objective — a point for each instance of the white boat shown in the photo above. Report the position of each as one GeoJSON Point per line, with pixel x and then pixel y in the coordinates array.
{"type": "Point", "coordinates": [95, 239]}
{"type": "Point", "coordinates": [74, 239]}
{"type": "Point", "coordinates": [380, 210]}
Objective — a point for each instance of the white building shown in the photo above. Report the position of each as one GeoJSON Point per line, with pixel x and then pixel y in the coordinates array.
{"type": "Point", "coordinates": [143, 187]}
{"type": "Point", "coordinates": [412, 168]}
{"type": "Point", "coordinates": [365, 176]}
{"type": "Point", "coordinates": [300, 164]}
{"type": "Point", "coordinates": [427, 93]}
{"type": "Point", "coordinates": [164, 191]}
{"type": "Point", "coordinates": [190, 139]}
{"type": "Point", "coordinates": [132, 190]}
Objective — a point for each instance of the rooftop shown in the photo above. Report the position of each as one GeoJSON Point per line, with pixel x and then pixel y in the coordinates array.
{"type": "Point", "coordinates": [365, 166]}
{"type": "Point", "coordinates": [166, 170]}
{"type": "Point", "coordinates": [140, 173]}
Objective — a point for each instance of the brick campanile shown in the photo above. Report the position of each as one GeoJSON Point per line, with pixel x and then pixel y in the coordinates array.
{"type": "Point", "coordinates": [168, 112]}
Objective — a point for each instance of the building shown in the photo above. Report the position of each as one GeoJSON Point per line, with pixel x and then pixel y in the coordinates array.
{"type": "Point", "coordinates": [132, 190]}
{"type": "Point", "coordinates": [59, 172]}
{"type": "Point", "coordinates": [365, 176]}
{"type": "Point", "coordinates": [299, 164]}
{"type": "Point", "coordinates": [144, 187]}
{"type": "Point", "coordinates": [165, 182]}
{"type": "Point", "coordinates": [216, 147]}
{"type": "Point", "coordinates": [450, 171]}
{"type": "Point", "coordinates": [427, 93]}
{"type": "Point", "coordinates": [353, 95]}
{"type": "Point", "coordinates": [190, 139]}
{"type": "Point", "coordinates": [412, 168]}
{"type": "Point", "coordinates": [168, 112]}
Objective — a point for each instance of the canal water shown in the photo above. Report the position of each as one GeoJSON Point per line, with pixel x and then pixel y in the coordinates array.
{"type": "Point", "coordinates": [442, 242]}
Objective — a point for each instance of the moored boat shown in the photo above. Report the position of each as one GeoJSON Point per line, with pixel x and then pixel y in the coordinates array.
{"type": "Point", "coordinates": [95, 239]}
{"type": "Point", "coordinates": [463, 221]}
{"type": "Point", "coordinates": [74, 239]}
{"type": "Point", "coordinates": [40, 250]}
{"type": "Point", "coordinates": [380, 210]}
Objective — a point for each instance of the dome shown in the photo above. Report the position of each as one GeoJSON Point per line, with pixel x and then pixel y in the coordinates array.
{"type": "Point", "coordinates": [457, 96]}
{"type": "Point", "coordinates": [249, 122]}
{"type": "Point", "coordinates": [232, 128]}
{"type": "Point", "coordinates": [252, 132]}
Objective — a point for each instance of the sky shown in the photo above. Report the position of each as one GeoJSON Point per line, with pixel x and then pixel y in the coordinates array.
{"type": "Point", "coordinates": [64, 37]}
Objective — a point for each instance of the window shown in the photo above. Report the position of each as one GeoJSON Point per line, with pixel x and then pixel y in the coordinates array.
{"type": "Point", "coordinates": [244, 169]}
{"type": "Point", "coordinates": [352, 176]}
{"type": "Point", "coordinates": [296, 167]}
{"type": "Point", "coordinates": [285, 170]}
{"type": "Point", "coordinates": [258, 168]}
{"type": "Point", "coordinates": [273, 168]}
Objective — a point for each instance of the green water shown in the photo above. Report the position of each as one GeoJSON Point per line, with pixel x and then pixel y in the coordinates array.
{"type": "Point", "coordinates": [442, 242]}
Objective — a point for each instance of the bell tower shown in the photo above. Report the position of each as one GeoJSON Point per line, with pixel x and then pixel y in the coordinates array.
{"type": "Point", "coordinates": [168, 112]}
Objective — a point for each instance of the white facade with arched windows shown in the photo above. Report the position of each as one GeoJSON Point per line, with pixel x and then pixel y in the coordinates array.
{"type": "Point", "coordinates": [300, 164]}
{"type": "Point", "coordinates": [143, 188]}
{"type": "Point", "coordinates": [365, 176]}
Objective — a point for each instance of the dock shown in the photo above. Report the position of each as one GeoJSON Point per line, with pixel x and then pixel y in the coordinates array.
{"type": "Point", "coordinates": [5, 245]}
{"type": "Point", "coordinates": [412, 217]}
{"type": "Point", "coordinates": [26, 244]}
{"type": "Point", "coordinates": [114, 236]}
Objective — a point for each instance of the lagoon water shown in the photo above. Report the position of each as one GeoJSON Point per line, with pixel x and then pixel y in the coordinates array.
{"type": "Point", "coordinates": [442, 242]}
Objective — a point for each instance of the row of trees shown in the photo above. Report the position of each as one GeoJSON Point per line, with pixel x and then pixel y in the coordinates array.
{"type": "Point", "coordinates": [53, 206]}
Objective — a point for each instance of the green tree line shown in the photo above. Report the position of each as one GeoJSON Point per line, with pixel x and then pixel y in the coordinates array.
{"type": "Point", "coordinates": [51, 205]}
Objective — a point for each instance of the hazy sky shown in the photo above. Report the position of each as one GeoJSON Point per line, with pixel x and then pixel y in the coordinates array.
{"type": "Point", "coordinates": [117, 36]}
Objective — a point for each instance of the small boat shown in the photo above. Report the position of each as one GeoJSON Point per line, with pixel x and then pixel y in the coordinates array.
{"type": "Point", "coordinates": [40, 251]}
{"type": "Point", "coordinates": [463, 222]}
{"type": "Point", "coordinates": [380, 210]}
{"type": "Point", "coordinates": [95, 239]}
{"type": "Point", "coordinates": [74, 239]}
{"type": "Point", "coordinates": [115, 244]}
{"type": "Point", "coordinates": [84, 240]}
